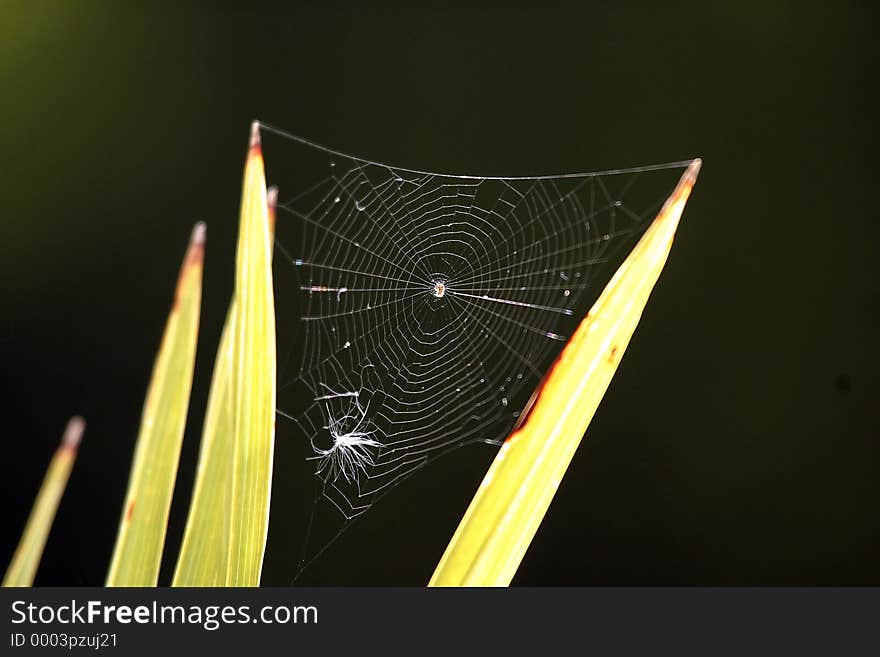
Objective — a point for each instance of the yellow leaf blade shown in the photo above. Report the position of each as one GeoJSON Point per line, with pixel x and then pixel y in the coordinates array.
{"type": "Point", "coordinates": [510, 504]}
{"type": "Point", "coordinates": [26, 559]}
{"type": "Point", "coordinates": [141, 537]}
{"type": "Point", "coordinates": [253, 379]}
{"type": "Point", "coordinates": [204, 551]}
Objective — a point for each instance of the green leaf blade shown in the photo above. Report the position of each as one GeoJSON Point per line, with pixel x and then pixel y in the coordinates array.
{"type": "Point", "coordinates": [253, 387]}
{"type": "Point", "coordinates": [504, 515]}
{"type": "Point", "coordinates": [23, 567]}
{"type": "Point", "coordinates": [140, 540]}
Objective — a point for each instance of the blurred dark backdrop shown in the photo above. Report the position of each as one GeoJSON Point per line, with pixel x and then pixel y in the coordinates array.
{"type": "Point", "coordinates": [738, 442]}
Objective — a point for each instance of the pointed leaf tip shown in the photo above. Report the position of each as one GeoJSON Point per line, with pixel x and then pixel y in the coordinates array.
{"type": "Point", "coordinates": [693, 170]}
{"type": "Point", "coordinates": [255, 135]}
{"type": "Point", "coordinates": [143, 523]}
{"type": "Point", "coordinates": [192, 262]}
{"type": "Point", "coordinates": [195, 252]}
{"type": "Point", "coordinates": [73, 432]}
{"type": "Point", "coordinates": [26, 559]}
{"type": "Point", "coordinates": [198, 235]}
{"type": "Point", "coordinates": [674, 205]}
{"type": "Point", "coordinates": [687, 180]}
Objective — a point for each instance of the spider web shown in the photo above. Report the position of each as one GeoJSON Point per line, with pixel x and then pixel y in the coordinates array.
{"type": "Point", "coordinates": [433, 304]}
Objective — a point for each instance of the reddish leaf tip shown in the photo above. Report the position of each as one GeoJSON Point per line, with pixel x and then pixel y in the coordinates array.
{"type": "Point", "coordinates": [73, 433]}
{"type": "Point", "coordinates": [195, 253]}
{"type": "Point", "coordinates": [693, 170]}
{"type": "Point", "coordinates": [255, 135]}
{"type": "Point", "coordinates": [198, 234]}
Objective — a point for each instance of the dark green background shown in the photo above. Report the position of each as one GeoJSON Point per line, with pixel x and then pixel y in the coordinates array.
{"type": "Point", "coordinates": [738, 442]}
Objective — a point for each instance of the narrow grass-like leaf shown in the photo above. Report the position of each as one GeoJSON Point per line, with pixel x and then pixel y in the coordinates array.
{"type": "Point", "coordinates": [141, 538]}
{"type": "Point", "coordinates": [510, 504]}
{"type": "Point", "coordinates": [253, 379]}
{"type": "Point", "coordinates": [204, 551]}
{"type": "Point", "coordinates": [27, 555]}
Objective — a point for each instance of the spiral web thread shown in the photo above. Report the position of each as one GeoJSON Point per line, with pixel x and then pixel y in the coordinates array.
{"type": "Point", "coordinates": [433, 304]}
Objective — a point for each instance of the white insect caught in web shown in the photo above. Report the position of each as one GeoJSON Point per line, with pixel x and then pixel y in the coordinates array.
{"type": "Point", "coordinates": [433, 304]}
